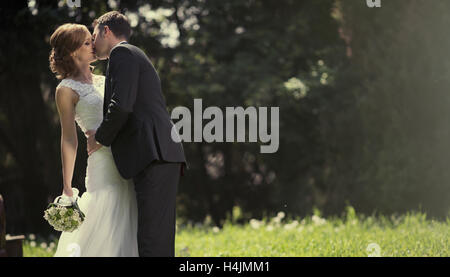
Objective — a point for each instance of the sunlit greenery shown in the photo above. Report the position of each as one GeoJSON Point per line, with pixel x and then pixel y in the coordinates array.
{"type": "Point", "coordinates": [409, 235]}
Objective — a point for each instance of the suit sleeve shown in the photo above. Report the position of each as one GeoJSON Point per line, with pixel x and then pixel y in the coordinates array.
{"type": "Point", "coordinates": [124, 72]}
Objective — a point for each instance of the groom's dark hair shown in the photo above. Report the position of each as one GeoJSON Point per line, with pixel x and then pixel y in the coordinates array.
{"type": "Point", "coordinates": [116, 22]}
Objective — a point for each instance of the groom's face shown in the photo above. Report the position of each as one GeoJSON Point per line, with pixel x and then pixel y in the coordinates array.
{"type": "Point", "coordinates": [101, 44]}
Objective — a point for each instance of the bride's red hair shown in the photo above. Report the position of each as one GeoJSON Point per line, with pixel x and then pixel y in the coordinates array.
{"type": "Point", "coordinates": [64, 41]}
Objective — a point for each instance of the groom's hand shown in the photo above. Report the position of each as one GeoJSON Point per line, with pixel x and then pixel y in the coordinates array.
{"type": "Point", "coordinates": [92, 144]}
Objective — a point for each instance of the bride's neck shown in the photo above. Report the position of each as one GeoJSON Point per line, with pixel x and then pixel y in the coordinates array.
{"type": "Point", "coordinates": [84, 73]}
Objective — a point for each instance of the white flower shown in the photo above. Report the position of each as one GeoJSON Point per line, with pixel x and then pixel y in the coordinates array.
{"type": "Point", "coordinates": [52, 211]}
{"type": "Point", "coordinates": [43, 245]}
{"type": "Point", "coordinates": [33, 244]}
{"type": "Point", "coordinates": [291, 225]}
{"type": "Point", "coordinates": [215, 229]}
{"type": "Point", "coordinates": [31, 237]}
{"type": "Point", "coordinates": [281, 215]}
{"type": "Point", "coordinates": [255, 224]}
{"type": "Point", "coordinates": [62, 212]}
{"type": "Point", "coordinates": [318, 220]}
{"type": "Point", "coordinates": [76, 216]}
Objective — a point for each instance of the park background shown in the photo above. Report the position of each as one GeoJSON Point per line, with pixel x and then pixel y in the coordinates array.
{"type": "Point", "coordinates": [363, 95]}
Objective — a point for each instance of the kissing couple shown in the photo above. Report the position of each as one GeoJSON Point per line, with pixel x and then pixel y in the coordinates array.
{"type": "Point", "coordinates": [134, 165]}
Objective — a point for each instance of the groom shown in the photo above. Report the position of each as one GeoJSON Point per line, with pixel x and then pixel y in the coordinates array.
{"type": "Point", "coordinates": [138, 128]}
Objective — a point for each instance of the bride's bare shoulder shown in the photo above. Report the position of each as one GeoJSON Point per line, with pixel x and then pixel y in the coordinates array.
{"type": "Point", "coordinates": [66, 94]}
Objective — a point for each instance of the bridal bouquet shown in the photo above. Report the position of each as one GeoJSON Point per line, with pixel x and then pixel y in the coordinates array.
{"type": "Point", "coordinates": [64, 214]}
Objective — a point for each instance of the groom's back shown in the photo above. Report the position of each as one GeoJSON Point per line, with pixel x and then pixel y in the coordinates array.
{"type": "Point", "coordinates": [147, 135]}
{"type": "Point", "coordinates": [149, 98]}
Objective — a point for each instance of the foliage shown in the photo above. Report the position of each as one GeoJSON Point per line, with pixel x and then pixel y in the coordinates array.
{"type": "Point", "coordinates": [362, 95]}
{"type": "Point", "coordinates": [408, 235]}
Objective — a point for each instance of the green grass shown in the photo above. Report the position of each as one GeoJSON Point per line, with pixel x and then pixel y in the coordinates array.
{"type": "Point", "coordinates": [408, 235]}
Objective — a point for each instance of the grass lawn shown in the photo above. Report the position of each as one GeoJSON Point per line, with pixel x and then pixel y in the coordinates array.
{"type": "Point", "coordinates": [408, 235]}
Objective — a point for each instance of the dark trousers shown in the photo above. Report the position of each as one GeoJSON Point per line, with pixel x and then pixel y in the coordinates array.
{"type": "Point", "coordinates": [156, 188]}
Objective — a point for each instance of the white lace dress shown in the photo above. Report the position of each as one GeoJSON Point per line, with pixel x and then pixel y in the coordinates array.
{"type": "Point", "coordinates": [109, 203]}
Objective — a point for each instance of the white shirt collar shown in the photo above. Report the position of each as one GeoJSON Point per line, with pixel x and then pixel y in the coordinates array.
{"type": "Point", "coordinates": [116, 45]}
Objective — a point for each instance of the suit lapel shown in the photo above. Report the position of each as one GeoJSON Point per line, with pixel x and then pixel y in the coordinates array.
{"type": "Point", "coordinates": [107, 97]}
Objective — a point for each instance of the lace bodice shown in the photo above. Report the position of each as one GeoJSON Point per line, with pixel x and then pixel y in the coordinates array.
{"type": "Point", "coordinates": [89, 109]}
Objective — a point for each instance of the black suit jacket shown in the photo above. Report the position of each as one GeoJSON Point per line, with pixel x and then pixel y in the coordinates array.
{"type": "Point", "coordinates": [136, 123]}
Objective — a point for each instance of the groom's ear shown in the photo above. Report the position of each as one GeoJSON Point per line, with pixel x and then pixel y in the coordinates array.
{"type": "Point", "coordinates": [105, 31]}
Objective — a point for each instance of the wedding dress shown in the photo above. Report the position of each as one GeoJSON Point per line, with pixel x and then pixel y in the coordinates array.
{"type": "Point", "coordinates": [109, 203]}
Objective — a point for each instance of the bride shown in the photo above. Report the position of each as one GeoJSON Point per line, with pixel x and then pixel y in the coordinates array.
{"type": "Point", "coordinates": [109, 203]}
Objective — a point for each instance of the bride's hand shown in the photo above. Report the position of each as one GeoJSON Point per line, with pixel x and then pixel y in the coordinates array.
{"type": "Point", "coordinates": [90, 133]}
{"type": "Point", "coordinates": [68, 192]}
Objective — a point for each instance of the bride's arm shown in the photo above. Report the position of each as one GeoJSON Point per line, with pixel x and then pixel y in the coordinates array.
{"type": "Point", "coordinates": [66, 99]}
